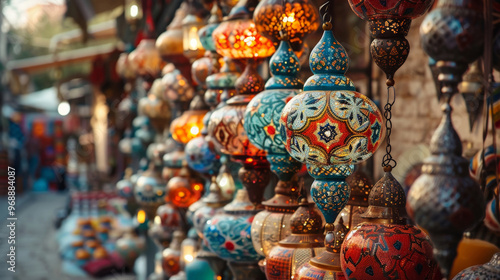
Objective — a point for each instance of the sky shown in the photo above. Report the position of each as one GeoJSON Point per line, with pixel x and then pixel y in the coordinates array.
{"type": "Point", "coordinates": [15, 12]}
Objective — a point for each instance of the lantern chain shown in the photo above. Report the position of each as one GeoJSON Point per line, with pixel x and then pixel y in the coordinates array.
{"type": "Point", "coordinates": [388, 160]}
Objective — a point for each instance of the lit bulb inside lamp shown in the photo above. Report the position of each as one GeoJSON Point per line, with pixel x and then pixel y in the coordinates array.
{"type": "Point", "coordinates": [194, 130]}
{"type": "Point", "coordinates": [188, 258]}
{"type": "Point", "coordinates": [134, 11]}
{"type": "Point", "coordinates": [157, 220]}
{"type": "Point", "coordinates": [141, 216]}
{"type": "Point", "coordinates": [63, 109]}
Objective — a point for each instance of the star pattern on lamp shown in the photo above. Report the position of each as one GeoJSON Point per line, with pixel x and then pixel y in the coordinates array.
{"type": "Point", "coordinates": [328, 133]}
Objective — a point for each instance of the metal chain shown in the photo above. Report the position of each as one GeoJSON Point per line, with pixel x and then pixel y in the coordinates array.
{"type": "Point", "coordinates": [387, 160]}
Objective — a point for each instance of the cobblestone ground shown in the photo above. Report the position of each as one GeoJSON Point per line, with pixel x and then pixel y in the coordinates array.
{"type": "Point", "coordinates": [36, 248]}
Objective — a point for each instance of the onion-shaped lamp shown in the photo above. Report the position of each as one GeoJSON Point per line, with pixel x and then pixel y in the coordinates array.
{"type": "Point", "coordinates": [408, 250]}
{"type": "Point", "coordinates": [305, 242]}
{"type": "Point", "coordinates": [166, 221]}
{"type": "Point", "coordinates": [190, 124]}
{"type": "Point", "coordinates": [389, 24]}
{"type": "Point", "coordinates": [156, 109]}
{"type": "Point", "coordinates": [237, 38]}
{"type": "Point", "coordinates": [326, 265]}
{"type": "Point", "coordinates": [174, 160]}
{"type": "Point", "coordinates": [184, 189]}
{"type": "Point", "coordinates": [214, 202]}
{"type": "Point", "coordinates": [297, 18]}
{"type": "Point", "coordinates": [149, 191]}
{"type": "Point", "coordinates": [262, 127]}
{"type": "Point", "coordinates": [445, 217]}
{"type": "Point", "coordinates": [228, 236]}
{"type": "Point", "coordinates": [329, 126]}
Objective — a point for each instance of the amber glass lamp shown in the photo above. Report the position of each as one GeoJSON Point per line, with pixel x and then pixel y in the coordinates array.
{"type": "Point", "coordinates": [305, 242]}
{"type": "Point", "coordinates": [297, 18]}
{"type": "Point", "coordinates": [185, 189]}
{"type": "Point", "coordinates": [190, 124]}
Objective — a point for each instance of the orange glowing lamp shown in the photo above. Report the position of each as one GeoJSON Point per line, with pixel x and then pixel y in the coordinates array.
{"type": "Point", "coordinates": [184, 190]}
{"type": "Point", "coordinates": [238, 38]}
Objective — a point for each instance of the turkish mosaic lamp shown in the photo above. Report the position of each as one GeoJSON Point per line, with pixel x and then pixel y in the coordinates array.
{"type": "Point", "coordinates": [237, 38]}
{"type": "Point", "coordinates": [214, 202]}
{"type": "Point", "coordinates": [297, 18]}
{"type": "Point", "coordinates": [330, 126]}
{"type": "Point", "coordinates": [389, 22]}
{"type": "Point", "coordinates": [149, 191]}
{"type": "Point", "coordinates": [228, 236]}
{"type": "Point", "coordinates": [190, 124]}
{"type": "Point", "coordinates": [220, 86]}
{"type": "Point", "coordinates": [166, 221]}
{"type": "Point", "coordinates": [326, 266]}
{"type": "Point", "coordinates": [305, 242]}
{"type": "Point", "coordinates": [262, 125]}
{"type": "Point", "coordinates": [445, 190]}
{"type": "Point", "coordinates": [407, 253]}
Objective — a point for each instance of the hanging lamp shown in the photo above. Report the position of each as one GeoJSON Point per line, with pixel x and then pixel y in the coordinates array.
{"type": "Point", "coordinates": [261, 124]}
{"type": "Point", "coordinates": [389, 23]}
{"type": "Point", "coordinates": [237, 38]}
{"type": "Point", "coordinates": [305, 242]}
{"type": "Point", "coordinates": [445, 217]}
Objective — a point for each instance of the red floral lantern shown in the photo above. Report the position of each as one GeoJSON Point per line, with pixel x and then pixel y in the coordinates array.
{"type": "Point", "coordinates": [386, 247]}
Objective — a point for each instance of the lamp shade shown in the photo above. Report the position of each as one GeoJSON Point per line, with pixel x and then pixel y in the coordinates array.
{"type": "Point", "coordinates": [361, 186]}
{"type": "Point", "coordinates": [239, 39]}
{"type": "Point", "coordinates": [184, 191]}
{"type": "Point", "coordinates": [221, 85]}
{"type": "Point", "coordinates": [188, 125]}
{"type": "Point", "coordinates": [296, 18]}
{"type": "Point", "coordinates": [487, 271]}
{"type": "Point", "coordinates": [171, 256]}
{"type": "Point", "coordinates": [228, 234]}
{"type": "Point", "coordinates": [262, 126]}
{"type": "Point", "coordinates": [170, 43]}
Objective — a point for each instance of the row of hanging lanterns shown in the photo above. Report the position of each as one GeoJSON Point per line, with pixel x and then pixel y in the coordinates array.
{"type": "Point", "coordinates": [217, 119]}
